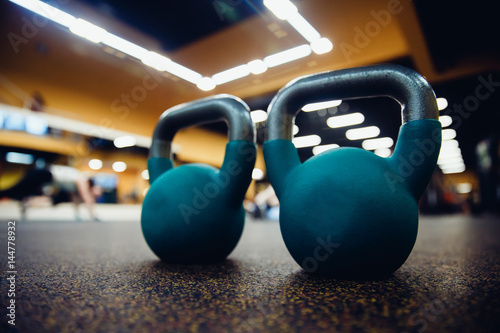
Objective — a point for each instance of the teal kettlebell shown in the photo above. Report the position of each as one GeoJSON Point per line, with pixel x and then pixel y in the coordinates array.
{"type": "Point", "coordinates": [193, 214]}
{"type": "Point", "coordinates": [347, 212]}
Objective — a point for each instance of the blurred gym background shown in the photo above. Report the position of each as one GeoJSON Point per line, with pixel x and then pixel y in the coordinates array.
{"type": "Point", "coordinates": [83, 83]}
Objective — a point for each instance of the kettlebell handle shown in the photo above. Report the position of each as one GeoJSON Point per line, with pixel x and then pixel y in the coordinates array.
{"type": "Point", "coordinates": [404, 85]}
{"type": "Point", "coordinates": [222, 107]}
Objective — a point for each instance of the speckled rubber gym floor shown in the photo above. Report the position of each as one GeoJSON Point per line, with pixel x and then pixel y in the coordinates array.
{"type": "Point", "coordinates": [102, 277]}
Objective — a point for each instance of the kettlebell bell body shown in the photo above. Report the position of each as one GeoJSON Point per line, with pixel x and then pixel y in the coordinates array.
{"type": "Point", "coordinates": [193, 214]}
{"type": "Point", "coordinates": [347, 212]}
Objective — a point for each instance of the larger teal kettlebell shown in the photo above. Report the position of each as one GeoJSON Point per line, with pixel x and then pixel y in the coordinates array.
{"type": "Point", "coordinates": [193, 213]}
{"type": "Point", "coordinates": [347, 212]}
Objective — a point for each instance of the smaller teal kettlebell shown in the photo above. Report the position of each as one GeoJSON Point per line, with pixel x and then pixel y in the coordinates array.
{"type": "Point", "coordinates": [193, 214]}
{"type": "Point", "coordinates": [347, 212]}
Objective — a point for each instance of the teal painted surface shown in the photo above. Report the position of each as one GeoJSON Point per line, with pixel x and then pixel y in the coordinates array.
{"type": "Point", "coordinates": [194, 213]}
{"type": "Point", "coordinates": [348, 212]}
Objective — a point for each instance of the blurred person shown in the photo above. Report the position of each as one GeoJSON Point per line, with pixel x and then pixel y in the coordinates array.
{"type": "Point", "coordinates": [267, 204]}
{"type": "Point", "coordinates": [61, 184]}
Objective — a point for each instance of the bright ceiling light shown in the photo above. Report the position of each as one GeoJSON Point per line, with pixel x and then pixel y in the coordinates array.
{"type": "Point", "coordinates": [345, 120]}
{"type": "Point", "coordinates": [156, 60]}
{"type": "Point", "coordinates": [257, 174]}
{"type": "Point", "coordinates": [295, 129]}
{"type": "Point", "coordinates": [450, 160]}
{"type": "Point", "coordinates": [362, 133]}
{"type": "Point", "coordinates": [448, 134]}
{"type": "Point", "coordinates": [95, 164]}
{"type": "Point", "coordinates": [19, 158]}
{"type": "Point", "coordinates": [145, 174]}
{"type": "Point", "coordinates": [283, 9]}
{"type": "Point", "coordinates": [119, 166]}
{"type": "Point", "coordinates": [206, 84]}
{"type": "Point", "coordinates": [322, 45]}
{"type": "Point", "coordinates": [449, 145]}
{"type": "Point", "coordinates": [124, 141]}
{"type": "Point", "coordinates": [383, 152]}
{"type": "Point", "coordinates": [299, 23]}
{"type": "Point", "coordinates": [442, 103]}
{"type": "Point", "coordinates": [88, 30]}
{"type": "Point", "coordinates": [445, 120]}
{"type": "Point", "coordinates": [231, 74]}
{"type": "Point", "coordinates": [124, 46]}
{"type": "Point", "coordinates": [47, 11]}
{"type": "Point", "coordinates": [188, 74]}
{"type": "Point", "coordinates": [319, 149]}
{"type": "Point", "coordinates": [464, 188]}
{"type": "Point", "coordinates": [321, 105]}
{"type": "Point", "coordinates": [306, 141]}
{"type": "Point", "coordinates": [258, 116]}
{"type": "Point", "coordinates": [373, 144]}
{"type": "Point", "coordinates": [257, 66]}
{"type": "Point", "coordinates": [453, 169]}
{"type": "Point", "coordinates": [288, 55]}
{"type": "Point", "coordinates": [450, 153]}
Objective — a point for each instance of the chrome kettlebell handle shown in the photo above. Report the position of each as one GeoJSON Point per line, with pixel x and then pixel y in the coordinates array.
{"type": "Point", "coordinates": [222, 107]}
{"type": "Point", "coordinates": [404, 85]}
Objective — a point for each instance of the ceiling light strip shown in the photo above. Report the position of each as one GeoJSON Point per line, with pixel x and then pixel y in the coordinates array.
{"type": "Point", "coordinates": [283, 9]}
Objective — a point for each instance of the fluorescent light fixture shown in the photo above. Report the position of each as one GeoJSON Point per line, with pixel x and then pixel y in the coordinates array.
{"type": "Point", "coordinates": [257, 66]}
{"type": "Point", "coordinates": [449, 145]}
{"type": "Point", "coordinates": [124, 141]}
{"type": "Point", "coordinates": [295, 129]}
{"type": "Point", "coordinates": [445, 121]}
{"type": "Point", "coordinates": [362, 133]}
{"type": "Point", "coordinates": [299, 23]}
{"type": "Point", "coordinates": [95, 164]}
{"type": "Point", "coordinates": [373, 144]}
{"type": "Point", "coordinates": [319, 149]}
{"type": "Point", "coordinates": [288, 55]}
{"type": "Point", "coordinates": [124, 46]}
{"type": "Point", "coordinates": [257, 174]}
{"type": "Point", "coordinates": [448, 134]}
{"type": "Point", "coordinates": [345, 120]}
{"type": "Point", "coordinates": [185, 73]}
{"type": "Point", "coordinates": [322, 45]}
{"type": "Point", "coordinates": [306, 141]}
{"type": "Point", "coordinates": [145, 174]}
{"type": "Point", "coordinates": [321, 105]}
{"type": "Point", "coordinates": [453, 169]}
{"type": "Point", "coordinates": [47, 11]}
{"type": "Point", "coordinates": [450, 153]}
{"type": "Point", "coordinates": [450, 160]}
{"type": "Point", "coordinates": [206, 84]}
{"type": "Point", "coordinates": [258, 116]}
{"type": "Point", "coordinates": [155, 60]}
{"type": "Point", "coordinates": [383, 152]}
{"type": "Point", "coordinates": [283, 9]}
{"type": "Point", "coordinates": [442, 103]}
{"type": "Point", "coordinates": [464, 188]}
{"type": "Point", "coordinates": [19, 158]}
{"type": "Point", "coordinates": [88, 30]}
{"type": "Point", "coordinates": [119, 166]}
{"type": "Point", "coordinates": [231, 74]}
